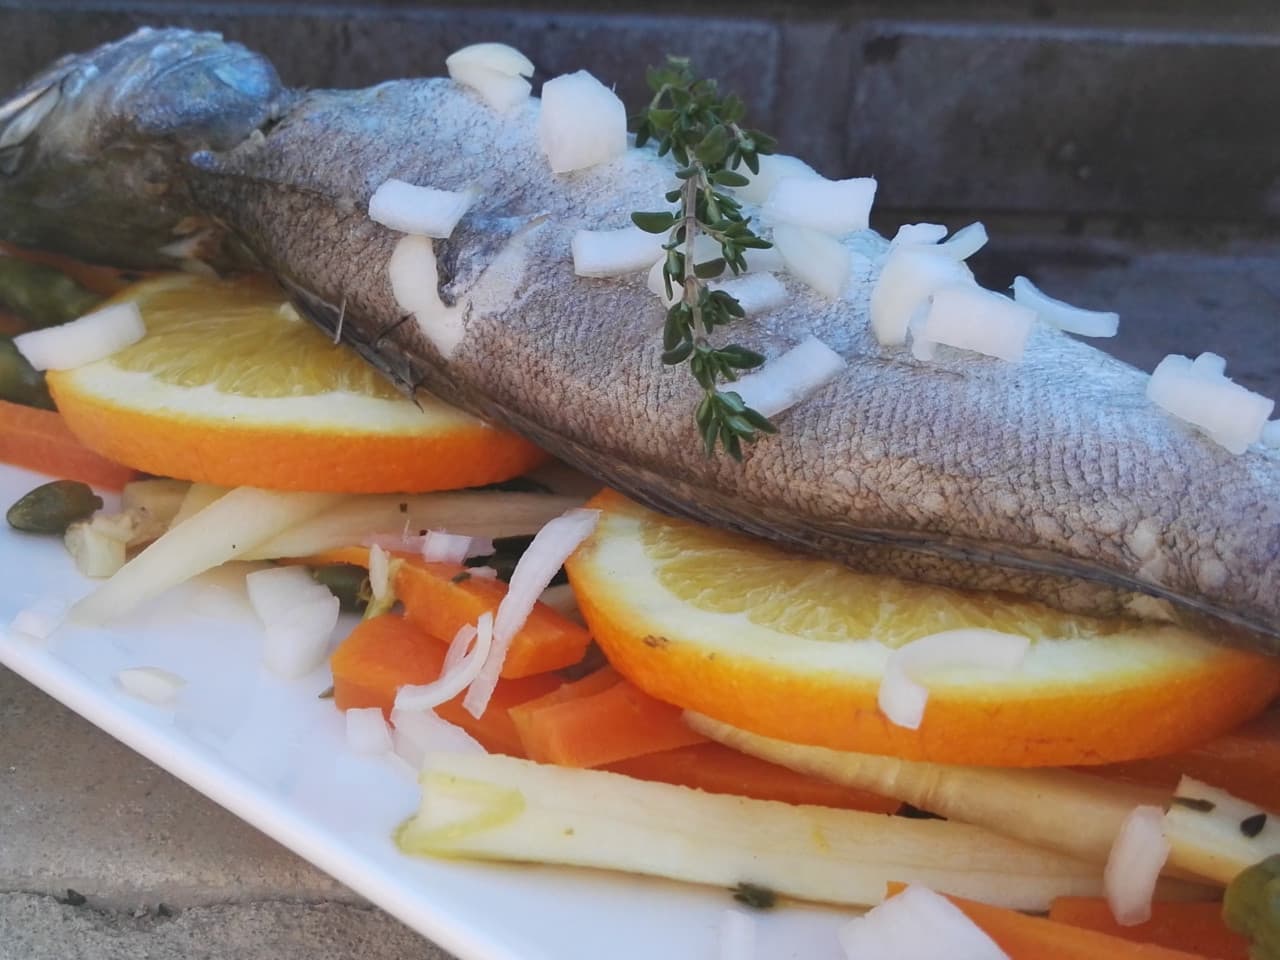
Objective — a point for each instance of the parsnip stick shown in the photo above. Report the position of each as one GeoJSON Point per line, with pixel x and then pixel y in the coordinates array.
{"type": "Point", "coordinates": [1215, 835]}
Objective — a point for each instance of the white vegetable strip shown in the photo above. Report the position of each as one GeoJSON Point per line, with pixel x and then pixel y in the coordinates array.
{"type": "Point", "coordinates": [417, 733]}
{"type": "Point", "coordinates": [1056, 313]}
{"type": "Point", "coordinates": [821, 261]}
{"type": "Point", "coordinates": [441, 547]}
{"type": "Point", "coordinates": [1231, 415]}
{"type": "Point", "coordinates": [1138, 856]}
{"type": "Point", "coordinates": [834, 207]}
{"type": "Point", "coordinates": [455, 678]}
{"type": "Point", "coordinates": [773, 167]}
{"type": "Point", "coordinates": [902, 697]}
{"type": "Point", "coordinates": [910, 275]}
{"type": "Point", "coordinates": [737, 935]}
{"type": "Point", "coordinates": [415, 283]}
{"type": "Point", "coordinates": [227, 529]}
{"type": "Point", "coordinates": [786, 380]}
{"type": "Point", "coordinates": [756, 293]}
{"type": "Point", "coordinates": [965, 242]}
{"type": "Point", "coordinates": [922, 233]}
{"type": "Point", "coordinates": [917, 924]}
{"type": "Point", "coordinates": [540, 562]}
{"type": "Point", "coordinates": [497, 807]}
{"type": "Point", "coordinates": [582, 122]}
{"type": "Point", "coordinates": [92, 337]}
{"type": "Point", "coordinates": [459, 646]}
{"type": "Point", "coordinates": [968, 317]}
{"type": "Point", "coordinates": [425, 211]}
{"type": "Point", "coordinates": [367, 731]}
{"type": "Point", "coordinates": [613, 253]}
{"type": "Point", "coordinates": [1210, 843]}
{"type": "Point", "coordinates": [151, 684]}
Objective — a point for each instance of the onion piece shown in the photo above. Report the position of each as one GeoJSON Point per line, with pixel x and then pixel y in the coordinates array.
{"type": "Point", "coordinates": [537, 566]}
{"type": "Point", "coordinates": [917, 924]}
{"type": "Point", "coordinates": [379, 573]}
{"type": "Point", "coordinates": [965, 242]}
{"type": "Point", "coordinates": [970, 318]}
{"type": "Point", "coordinates": [737, 935]}
{"type": "Point", "coordinates": [424, 211]}
{"type": "Point", "coordinates": [495, 71]}
{"type": "Point", "coordinates": [582, 122]}
{"type": "Point", "coordinates": [38, 622]}
{"type": "Point", "coordinates": [816, 258]}
{"type": "Point", "coordinates": [1226, 412]}
{"type": "Point", "coordinates": [909, 276]}
{"type": "Point", "coordinates": [441, 547]}
{"type": "Point", "coordinates": [1056, 313]}
{"type": "Point", "coordinates": [418, 733]}
{"type": "Point", "coordinates": [457, 677]}
{"type": "Point", "coordinates": [613, 253]}
{"type": "Point", "coordinates": [786, 380]}
{"type": "Point", "coordinates": [415, 280]}
{"type": "Point", "coordinates": [1133, 867]}
{"type": "Point", "coordinates": [367, 731]}
{"type": "Point", "coordinates": [773, 167]}
{"type": "Point", "coordinates": [151, 684]}
{"type": "Point", "coordinates": [835, 207]}
{"type": "Point", "coordinates": [92, 337]}
{"type": "Point", "coordinates": [902, 697]}
{"type": "Point", "coordinates": [276, 591]}
{"type": "Point", "coordinates": [498, 57]}
{"type": "Point", "coordinates": [459, 646]}
{"type": "Point", "coordinates": [298, 615]}
{"type": "Point", "coordinates": [483, 573]}
{"type": "Point", "coordinates": [921, 233]}
{"type": "Point", "coordinates": [756, 293]}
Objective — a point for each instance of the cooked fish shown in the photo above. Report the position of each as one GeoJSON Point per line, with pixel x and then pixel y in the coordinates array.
{"type": "Point", "coordinates": [1053, 477]}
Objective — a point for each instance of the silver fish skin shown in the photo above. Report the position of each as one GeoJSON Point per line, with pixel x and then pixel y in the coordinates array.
{"type": "Point", "coordinates": [1054, 477]}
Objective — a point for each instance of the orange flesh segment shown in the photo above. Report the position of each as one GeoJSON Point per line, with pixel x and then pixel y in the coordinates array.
{"type": "Point", "coordinates": [40, 440]}
{"type": "Point", "coordinates": [1191, 926]}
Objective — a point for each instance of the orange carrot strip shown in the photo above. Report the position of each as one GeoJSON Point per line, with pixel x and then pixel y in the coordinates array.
{"type": "Point", "coordinates": [1188, 926]}
{"type": "Point", "coordinates": [440, 601]}
{"type": "Point", "coordinates": [716, 768]}
{"type": "Point", "coordinates": [616, 723]}
{"type": "Point", "coordinates": [387, 652]}
{"type": "Point", "coordinates": [1245, 762]}
{"type": "Point", "coordinates": [39, 440]}
{"type": "Point", "coordinates": [594, 682]}
{"type": "Point", "coordinates": [1024, 937]}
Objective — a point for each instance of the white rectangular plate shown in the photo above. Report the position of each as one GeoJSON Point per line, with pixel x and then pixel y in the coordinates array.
{"type": "Point", "coordinates": [275, 755]}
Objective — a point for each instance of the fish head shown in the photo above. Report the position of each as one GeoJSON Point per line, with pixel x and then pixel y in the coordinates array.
{"type": "Point", "coordinates": [94, 149]}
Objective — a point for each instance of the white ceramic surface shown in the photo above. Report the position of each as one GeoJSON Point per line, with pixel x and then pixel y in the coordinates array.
{"type": "Point", "coordinates": [274, 754]}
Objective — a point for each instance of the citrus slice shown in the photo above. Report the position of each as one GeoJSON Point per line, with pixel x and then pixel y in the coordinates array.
{"type": "Point", "coordinates": [230, 386]}
{"type": "Point", "coordinates": [794, 648]}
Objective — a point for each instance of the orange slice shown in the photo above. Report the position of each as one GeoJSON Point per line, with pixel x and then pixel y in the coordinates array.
{"type": "Point", "coordinates": [794, 647]}
{"type": "Point", "coordinates": [231, 387]}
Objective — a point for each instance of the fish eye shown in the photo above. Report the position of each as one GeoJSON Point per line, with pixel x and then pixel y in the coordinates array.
{"type": "Point", "coordinates": [21, 116]}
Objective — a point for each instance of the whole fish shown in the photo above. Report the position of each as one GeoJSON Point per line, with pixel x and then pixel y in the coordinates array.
{"type": "Point", "coordinates": [1054, 477]}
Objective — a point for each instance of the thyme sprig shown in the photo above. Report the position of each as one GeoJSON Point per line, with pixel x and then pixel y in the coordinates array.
{"type": "Point", "coordinates": [703, 131]}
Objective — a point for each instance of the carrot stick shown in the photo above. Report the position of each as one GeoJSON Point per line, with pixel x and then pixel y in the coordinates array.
{"type": "Point", "coordinates": [1190, 926]}
{"type": "Point", "coordinates": [387, 652]}
{"type": "Point", "coordinates": [39, 440]}
{"type": "Point", "coordinates": [719, 769]}
{"type": "Point", "coordinates": [1024, 937]}
{"type": "Point", "coordinates": [594, 682]}
{"type": "Point", "coordinates": [440, 598]}
{"type": "Point", "coordinates": [598, 726]}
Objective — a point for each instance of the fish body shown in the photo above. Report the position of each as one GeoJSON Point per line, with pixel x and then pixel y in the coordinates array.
{"type": "Point", "coordinates": [1053, 477]}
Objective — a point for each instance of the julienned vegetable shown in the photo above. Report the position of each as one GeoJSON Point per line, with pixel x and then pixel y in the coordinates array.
{"type": "Point", "coordinates": [1216, 835]}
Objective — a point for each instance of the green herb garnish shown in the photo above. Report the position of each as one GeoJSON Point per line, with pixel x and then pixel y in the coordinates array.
{"type": "Point", "coordinates": [689, 119]}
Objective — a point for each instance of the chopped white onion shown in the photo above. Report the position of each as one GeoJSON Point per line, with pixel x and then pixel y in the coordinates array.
{"type": "Point", "coordinates": [499, 57]}
{"type": "Point", "coordinates": [1209, 366]}
{"type": "Point", "coordinates": [537, 566]}
{"type": "Point", "coordinates": [1228, 413]}
{"type": "Point", "coordinates": [836, 207]}
{"type": "Point", "coordinates": [275, 591]}
{"type": "Point", "coordinates": [1134, 864]}
{"type": "Point", "coordinates": [457, 677]}
{"type": "Point", "coordinates": [582, 122]}
{"type": "Point", "coordinates": [902, 697]}
{"type": "Point", "coordinates": [917, 924]}
{"type": "Point", "coordinates": [1056, 313]}
{"type": "Point", "coordinates": [415, 280]}
{"type": "Point", "coordinates": [922, 233]}
{"type": "Point", "coordinates": [38, 622]}
{"type": "Point", "coordinates": [613, 253]}
{"type": "Point", "coordinates": [786, 380]}
{"type": "Point", "coordinates": [965, 242]}
{"type": "Point", "coordinates": [424, 211]}
{"type": "Point", "coordinates": [419, 732]}
{"type": "Point", "coordinates": [483, 573]}
{"type": "Point", "coordinates": [495, 71]}
{"type": "Point", "coordinates": [818, 259]}
{"type": "Point", "coordinates": [459, 646]}
{"type": "Point", "coordinates": [298, 615]}
{"type": "Point", "coordinates": [379, 572]}
{"type": "Point", "coordinates": [773, 167]}
{"type": "Point", "coordinates": [737, 935]}
{"type": "Point", "coordinates": [151, 684]}
{"type": "Point", "coordinates": [94, 336]}
{"type": "Point", "coordinates": [441, 547]}
{"type": "Point", "coordinates": [756, 293]}
{"type": "Point", "coordinates": [367, 731]}
{"type": "Point", "coordinates": [910, 275]}
{"type": "Point", "coordinates": [970, 318]}
{"type": "Point", "coordinates": [1271, 434]}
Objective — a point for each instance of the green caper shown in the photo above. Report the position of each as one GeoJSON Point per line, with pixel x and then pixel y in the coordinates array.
{"type": "Point", "coordinates": [40, 295]}
{"type": "Point", "coordinates": [1252, 907]}
{"type": "Point", "coordinates": [52, 507]}
{"type": "Point", "coordinates": [19, 381]}
{"type": "Point", "coordinates": [348, 582]}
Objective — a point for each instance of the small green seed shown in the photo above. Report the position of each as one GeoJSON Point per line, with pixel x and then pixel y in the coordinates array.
{"type": "Point", "coordinates": [19, 381]}
{"type": "Point", "coordinates": [53, 507]}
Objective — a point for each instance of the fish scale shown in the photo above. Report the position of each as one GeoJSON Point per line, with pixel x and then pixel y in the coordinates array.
{"type": "Point", "coordinates": [1054, 477]}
